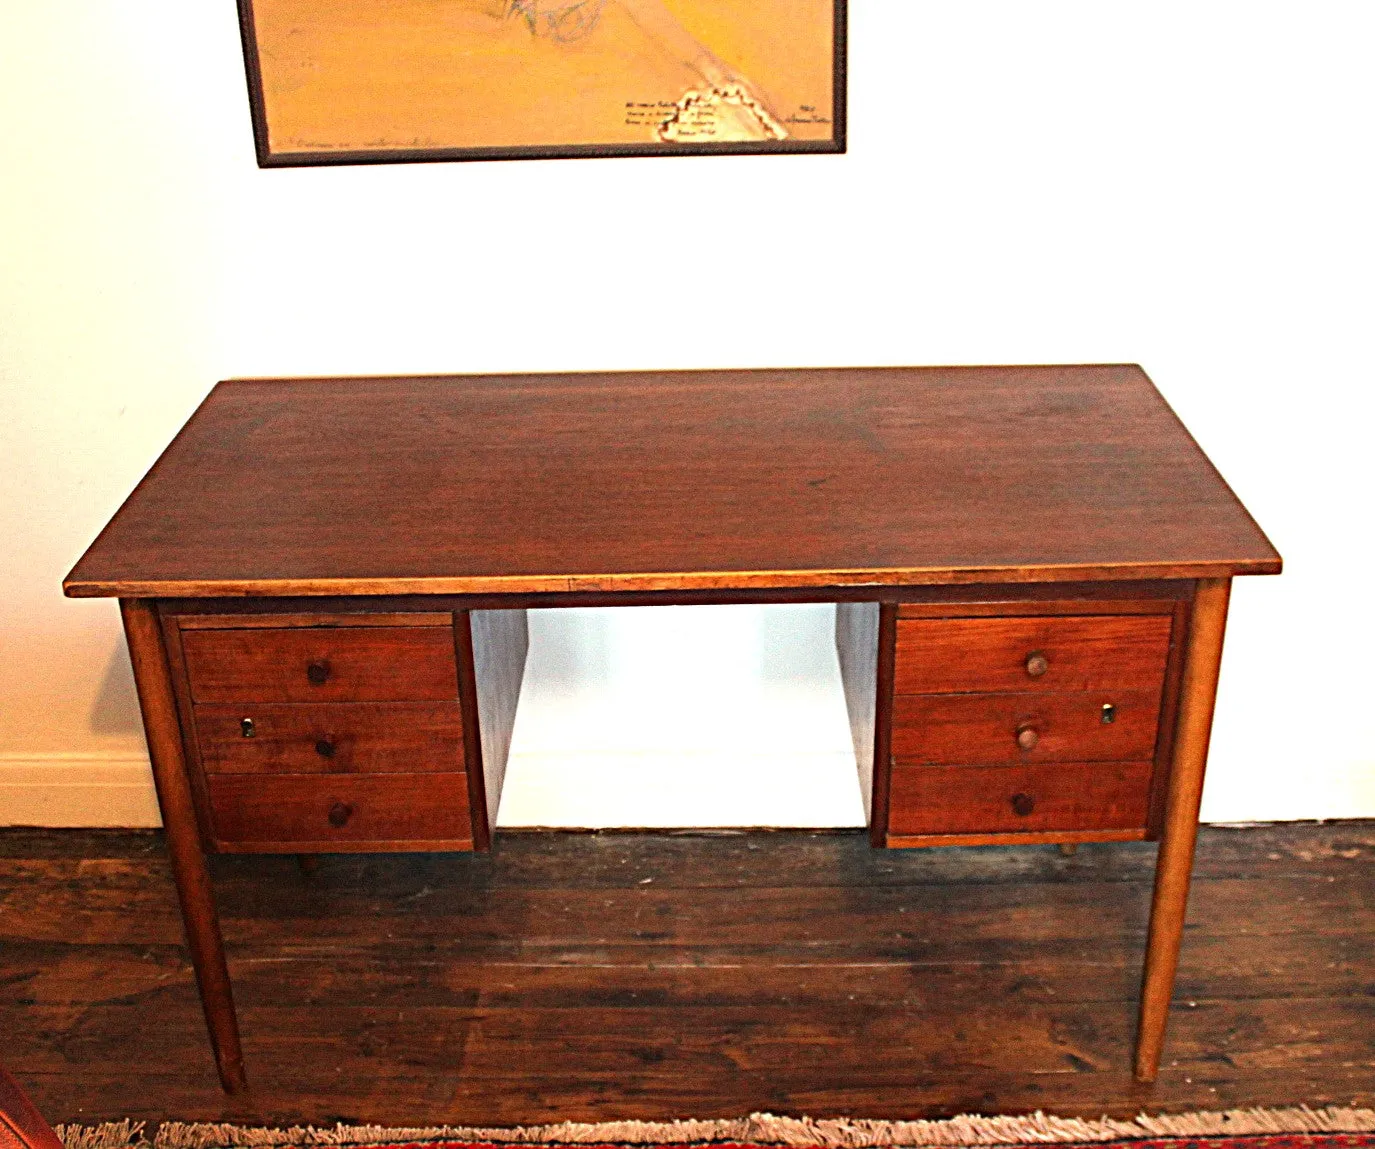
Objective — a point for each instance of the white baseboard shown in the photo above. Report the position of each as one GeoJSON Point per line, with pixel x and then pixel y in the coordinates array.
{"type": "Point", "coordinates": [71, 790]}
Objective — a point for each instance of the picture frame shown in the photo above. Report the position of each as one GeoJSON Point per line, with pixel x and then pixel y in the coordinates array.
{"type": "Point", "coordinates": [358, 82]}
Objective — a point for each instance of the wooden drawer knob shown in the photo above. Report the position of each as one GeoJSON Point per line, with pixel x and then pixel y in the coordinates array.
{"type": "Point", "coordinates": [1036, 664]}
{"type": "Point", "coordinates": [339, 814]}
{"type": "Point", "coordinates": [1023, 804]}
{"type": "Point", "coordinates": [318, 672]}
{"type": "Point", "coordinates": [324, 748]}
{"type": "Point", "coordinates": [1027, 736]}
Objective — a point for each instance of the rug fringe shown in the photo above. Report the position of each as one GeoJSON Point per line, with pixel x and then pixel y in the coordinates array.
{"type": "Point", "coordinates": [761, 1129]}
{"type": "Point", "coordinates": [111, 1135]}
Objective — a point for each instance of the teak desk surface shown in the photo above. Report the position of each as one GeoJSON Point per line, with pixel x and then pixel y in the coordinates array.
{"type": "Point", "coordinates": [675, 481]}
{"type": "Point", "coordinates": [323, 585]}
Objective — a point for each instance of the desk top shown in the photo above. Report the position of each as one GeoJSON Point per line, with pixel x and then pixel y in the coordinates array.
{"type": "Point", "coordinates": [674, 481]}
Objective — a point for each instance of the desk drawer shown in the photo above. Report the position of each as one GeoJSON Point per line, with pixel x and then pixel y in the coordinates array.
{"type": "Point", "coordinates": [1007, 799]}
{"type": "Point", "coordinates": [1047, 653]}
{"type": "Point", "coordinates": [317, 813]}
{"type": "Point", "coordinates": [331, 738]}
{"type": "Point", "coordinates": [322, 664]}
{"type": "Point", "coordinates": [988, 728]}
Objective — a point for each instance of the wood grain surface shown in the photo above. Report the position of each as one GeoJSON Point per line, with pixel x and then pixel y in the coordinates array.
{"type": "Point", "coordinates": [331, 738]}
{"type": "Point", "coordinates": [1069, 727]}
{"type": "Point", "coordinates": [322, 664]}
{"type": "Point", "coordinates": [954, 655]}
{"type": "Point", "coordinates": [601, 976]}
{"type": "Point", "coordinates": [664, 480]}
{"type": "Point", "coordinates": [158, 706]}
{"type": "Point", "coordinates": [291, 812]}
{"type": "Point", "coordinates": [1174, 865]}
{"type": "Point", "coordinates": [1009, 799]}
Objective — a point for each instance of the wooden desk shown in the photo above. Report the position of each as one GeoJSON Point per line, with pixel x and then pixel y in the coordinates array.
{"type": "Point", "coordinates": [324, 585]}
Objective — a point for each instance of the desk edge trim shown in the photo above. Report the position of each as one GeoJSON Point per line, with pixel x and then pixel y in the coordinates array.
{"type": "Point", "coordinates": [878, 579]}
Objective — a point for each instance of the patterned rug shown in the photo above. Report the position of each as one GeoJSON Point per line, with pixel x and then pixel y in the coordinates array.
{"type": "Point", "coordinates": [1298, 1128]}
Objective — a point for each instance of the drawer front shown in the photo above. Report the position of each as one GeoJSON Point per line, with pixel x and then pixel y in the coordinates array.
{"type": "Point", "coordinates": [992, 728]}
{"type": "Point", "coordinates": [322, 664]}
{"type": "Point", "coordinates": [981, 655]}
{"type": "Point", "coordinates": [330, 738]}
{"type": "Point", "coordinates": [1007, 799]}
{"type": "Point", "coordinates": [287, 811]}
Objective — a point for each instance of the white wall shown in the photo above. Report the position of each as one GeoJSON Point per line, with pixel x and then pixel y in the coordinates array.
{"type": "Point", "coordinates": [1185, 185]}
{"type": "Point", "coordinates": [682, 716]}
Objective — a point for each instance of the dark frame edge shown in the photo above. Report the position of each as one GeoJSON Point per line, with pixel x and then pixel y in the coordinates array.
{"type": "Point", "coordinates": [840, 77]}
{"type": "Point", "coordinates": [253, 74]}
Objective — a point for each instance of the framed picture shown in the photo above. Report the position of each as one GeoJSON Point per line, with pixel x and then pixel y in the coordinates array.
{"type": "Point", "coordinates": [393, 81]}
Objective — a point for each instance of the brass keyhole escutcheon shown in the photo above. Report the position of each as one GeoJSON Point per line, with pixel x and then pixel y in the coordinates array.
{"type": "Point", "coordinates": [247, 728]}
{"type": "Point", "coordinates": [339, 814]}
{"type": "Point", "coordinates": [1109, 714]}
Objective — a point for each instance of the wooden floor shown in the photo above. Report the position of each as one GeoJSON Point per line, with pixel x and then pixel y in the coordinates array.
{"type": "Point", "coordinates": [572, 976]}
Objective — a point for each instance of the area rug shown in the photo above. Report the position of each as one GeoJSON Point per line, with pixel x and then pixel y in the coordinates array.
{"type": "Point", "coordinates": [1297, 1128]}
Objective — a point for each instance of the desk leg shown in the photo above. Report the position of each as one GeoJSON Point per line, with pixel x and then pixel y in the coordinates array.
{"type": "Point", "coordinates": [1175, 860]}
{"type": "Point", "coordinates": [197, 897]}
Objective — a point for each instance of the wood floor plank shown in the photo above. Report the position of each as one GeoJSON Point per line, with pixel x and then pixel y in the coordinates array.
{"type": "Point", "coordinates": [386, 973]}
{"type": "Point", "coordinates": [541, 917]}
{"type": "Point", "coordinates": [605, 976]}
{"type": "Point", "coordinates": [736, 858]}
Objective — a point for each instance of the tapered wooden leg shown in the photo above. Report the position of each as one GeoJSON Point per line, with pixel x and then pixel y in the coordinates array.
{"type": "Point", "coordinates": [1175, 860]}
{"type": "Point", "coordinates": [189, 869]}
